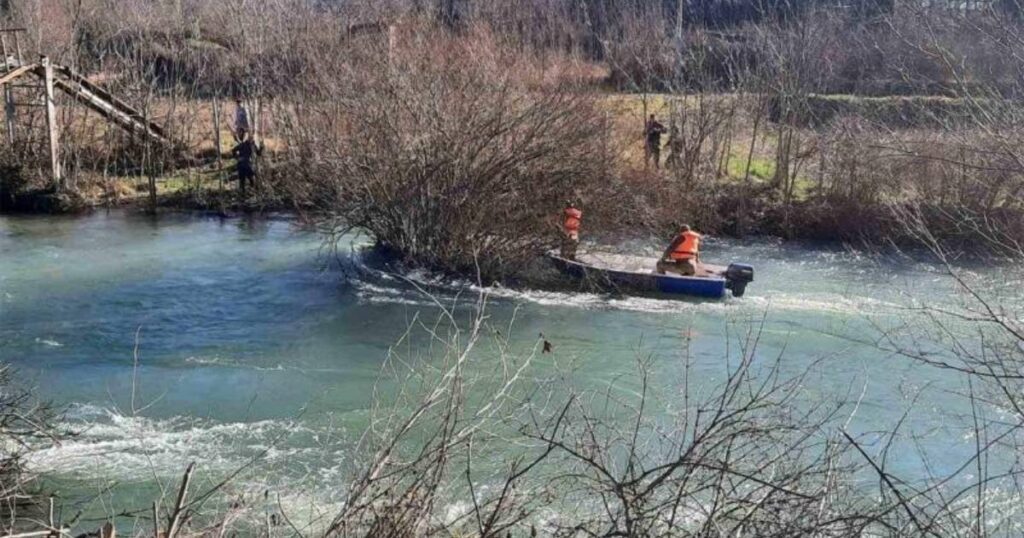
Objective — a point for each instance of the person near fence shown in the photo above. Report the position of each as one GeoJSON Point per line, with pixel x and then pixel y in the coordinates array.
{"type": "Point", "coordinates": [241, 127]}
{"type": "Point", "coordinates": [245, 153]}
{"type": "Point", "coordinates": [675, 148]}
{"type": "Point", "coordinates": [652, 142]}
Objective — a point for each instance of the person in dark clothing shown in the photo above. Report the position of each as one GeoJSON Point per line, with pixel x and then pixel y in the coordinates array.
{"type": "Point", "coordinates": [241, 125]}
{"type": "Point", "coordinates": [245, 152]}
{"type": "Point", "coordinates": [652, 142]}
{"type": "Point", "coordinates": [675, 148]}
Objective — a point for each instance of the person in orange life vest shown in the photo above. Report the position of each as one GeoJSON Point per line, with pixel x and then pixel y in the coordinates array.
{"type": "Point", "coordinates": [683, 255]}
{"type": "Point", "coordinates": [571, 226]}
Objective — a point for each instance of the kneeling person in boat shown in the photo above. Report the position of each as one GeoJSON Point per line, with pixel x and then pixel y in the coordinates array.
{"type": "Point", "coordinates": [571, 228]}
{"type": "Point", "coordinates": [681, 257]}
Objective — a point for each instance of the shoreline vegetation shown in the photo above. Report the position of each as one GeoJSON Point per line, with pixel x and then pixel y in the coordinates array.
{"type": "Point", "coordinates": [854, 200]}
{"type": "Point", "coordinates": [419, 132]}
{"type": "Point", "coordinates": [453, 132]}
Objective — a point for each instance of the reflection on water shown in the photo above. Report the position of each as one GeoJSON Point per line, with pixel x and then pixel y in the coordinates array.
{"type": "Point", "coordinates": [249, 347]}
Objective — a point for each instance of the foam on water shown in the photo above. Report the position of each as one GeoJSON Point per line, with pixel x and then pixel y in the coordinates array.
{"type": "Point", "coordinates": [303, 473]}
{"type": "Point", "coordinates": [230, 363]}
{"type": "Point", "coordinates": [222, 362]}
{"type": "Point", "coordinates": [109, 443]}
{"type": "Point", "coordinates": [392, 289]}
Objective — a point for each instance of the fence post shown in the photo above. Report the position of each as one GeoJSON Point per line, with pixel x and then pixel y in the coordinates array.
{"type": "Point", "coordinates": [52, 128]}
{"type": "Point", "coordinates": [217, 142]}
{"type": "Point", "coordinates": [8, 93]}
{"type": "Point", "coordinates": [9, 112]}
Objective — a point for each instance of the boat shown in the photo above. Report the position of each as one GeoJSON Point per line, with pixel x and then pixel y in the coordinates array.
{"type": "Point", "coordinates": [636, 275]}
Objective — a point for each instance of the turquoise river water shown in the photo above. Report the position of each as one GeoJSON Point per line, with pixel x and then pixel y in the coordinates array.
{"type": "Point", "coordinates": [250, 341]}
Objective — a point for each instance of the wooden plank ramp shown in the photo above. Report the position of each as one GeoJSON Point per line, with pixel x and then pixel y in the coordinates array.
{"type": "Point", "coordinates": [127, 118]}
{"type": "Point", "coordinates": [80, 83]}
{"type": "Point", "coordinates": [101, 101]}
{"type": "Point", "coordinates": [17, 72]}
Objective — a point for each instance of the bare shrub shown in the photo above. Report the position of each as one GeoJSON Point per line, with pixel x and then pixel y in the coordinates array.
{"type": "Point", "coordinates": [25, 424]}
{"type": "Point", "coordinates": [423, 438]}
{"type": "Point", "coordinates": [460, 450]}
{"type": "Point", "coordinates": [739, 461]}
{"type": "Point", "coordinates": [444, 154]}
{"type": "Point", "coordinates": [976, 336]}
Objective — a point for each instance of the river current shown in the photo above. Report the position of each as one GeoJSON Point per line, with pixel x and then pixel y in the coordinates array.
{"type": "Point", "coordinates": [185, 338]}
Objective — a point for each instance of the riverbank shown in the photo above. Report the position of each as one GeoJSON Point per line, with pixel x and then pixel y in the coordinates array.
{"type": "Point", "coordinates": [132, 194]}
{"type": "Point", "coordinates": [736, 213]}
{"type": "Point", "coordinates": [724, 171]}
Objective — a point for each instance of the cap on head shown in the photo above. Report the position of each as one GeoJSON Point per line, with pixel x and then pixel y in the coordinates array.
{"type": "Point", "coordinates": [684, 227]}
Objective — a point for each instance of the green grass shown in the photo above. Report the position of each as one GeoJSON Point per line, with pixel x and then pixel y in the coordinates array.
{"type": "Point", "coordinates": [761, 168]}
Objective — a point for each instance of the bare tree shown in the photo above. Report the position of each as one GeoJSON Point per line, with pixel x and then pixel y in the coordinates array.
{"type": "Point", "coordinates": [445, 150]}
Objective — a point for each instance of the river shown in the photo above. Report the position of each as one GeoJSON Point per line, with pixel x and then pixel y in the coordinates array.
{"type": "Point", "coordinates": [250, 342]}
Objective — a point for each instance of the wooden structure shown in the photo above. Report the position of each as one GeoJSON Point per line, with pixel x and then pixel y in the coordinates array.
{"type": "Point", "coordinates": [53, 78]}
{"type": "Point", "coordinates": [10, 61]}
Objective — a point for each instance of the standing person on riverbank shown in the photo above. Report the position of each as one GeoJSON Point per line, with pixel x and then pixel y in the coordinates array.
{"type": "Point", "coordinates": [571, 226]}
{"type": "Point", "coordinates": [652, 142]}
{"type": "Point", "coordinates": [683, 254]}
{"type": "Point", "coordinates": [675, 148]}
{"type": "Point", "coordinates": [241, 126]}
{"type": "Point", "coordinates": [245, 152]}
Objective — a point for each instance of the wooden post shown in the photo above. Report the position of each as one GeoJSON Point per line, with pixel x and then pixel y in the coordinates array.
{"type": "Point", "coordinates": [679, 21]}
{"type": "Point", "coordinates": [217, 142]}
{"type": "Point", "coordinates": [52, 129]}
{"type": "Point", "coordinates": [17, 49]}
{"type": "Point", "coordinates": [392, 45]}
{"type": "Point", "coordinates": [9, 112]}
{"type": "Point", "coordinates": [255, 117]}
{"type": "Point", "coordinates": [8, 93]}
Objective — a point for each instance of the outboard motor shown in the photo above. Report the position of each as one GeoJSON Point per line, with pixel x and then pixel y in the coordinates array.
{"type": "Point", "coordinates": [737, 276]}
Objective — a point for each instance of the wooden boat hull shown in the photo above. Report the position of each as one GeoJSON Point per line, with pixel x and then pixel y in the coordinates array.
{"type": "Point", "coordinates": [710, 284]}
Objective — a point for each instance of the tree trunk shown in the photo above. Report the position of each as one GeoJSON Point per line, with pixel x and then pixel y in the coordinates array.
{"type": "Point", "coordinates": [679, 19]}
{"type": "Point", "coordinates": [152, 193]}
{"type": "Point", "coordinates": [782, 155]}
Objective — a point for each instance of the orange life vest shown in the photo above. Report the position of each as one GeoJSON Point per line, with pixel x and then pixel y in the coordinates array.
{"type": "Point", "coordinates": [688, 248]}
{"type": "Point", "coordinates": [572, 220]}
